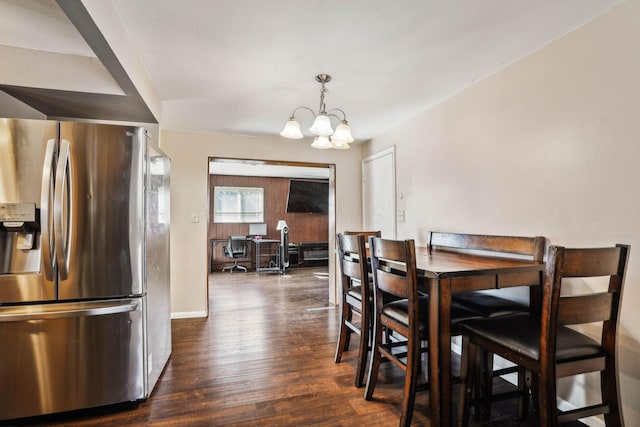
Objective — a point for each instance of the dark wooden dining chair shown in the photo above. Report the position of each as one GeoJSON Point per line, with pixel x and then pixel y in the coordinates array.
{"type": "Point", "coordinates": [355, 299]}
{"type": "Point", "coordinates": [545, 346]}
{"type": "Point", "coordinates": [489, 303]}
{"type": "Point", "coordinates": [399, 309]}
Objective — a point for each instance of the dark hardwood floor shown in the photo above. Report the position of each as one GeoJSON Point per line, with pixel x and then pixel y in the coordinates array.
{"type": "Point", "coordinates": [264, 357]}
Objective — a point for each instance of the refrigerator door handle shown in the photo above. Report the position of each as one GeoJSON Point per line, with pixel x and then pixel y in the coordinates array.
{"type": "Point", "coordinates": [62, 214]}
{"type": "Point", "coordinates": [71, 310]}
{"type": "Point", "coordinates": [48, 249]}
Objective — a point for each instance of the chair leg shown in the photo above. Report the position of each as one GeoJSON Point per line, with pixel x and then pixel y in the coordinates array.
{"type": "Point", "coordinates": [365, 338]}
{"type": "Point", "coordinates": [410, 382]}
{"type": "Point", "coordinates": [524, 386]}
{"type": "Point", "coordinates": [484, 387]}
{"type": "Point", "coordinates": [610, 392]}
{"type": "Point", "coordinates": [467, 377]}
{"type": "Point", "coordinates": [547, 407]}
{"type": "Point", "coordinates": [344, 333]}
{"type": "Point", "coordinates": [374, 358]}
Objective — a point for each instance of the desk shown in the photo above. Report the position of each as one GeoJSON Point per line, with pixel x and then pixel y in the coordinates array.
{"type": "Point", "coordinates": [272, 255]}
{"type": "Point", "coordinates": [443, 273]}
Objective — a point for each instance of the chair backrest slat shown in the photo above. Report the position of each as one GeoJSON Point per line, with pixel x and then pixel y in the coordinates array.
{"type": "Point", "coordinates": [351, 268]}
{"type": "Point", "coordinates": [351, 253]}
{"type": "Point", "coordinates": [349, 244]}
{"type": "Point", "coordinates": [527, 246]}
{"type": "Point", "coordinates": [591, 262]}
{"type": "Point", "coordinates": [392, 283]}
{"type": "Point", "coordinates": [366, 234]}
{"type": "Point", "coordinates": [389, 250]}
{"type": "Point", "coordinates": [575, 310]}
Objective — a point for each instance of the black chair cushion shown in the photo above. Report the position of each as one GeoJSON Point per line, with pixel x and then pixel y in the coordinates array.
{"type": "Point", "coordinates": [521, 334]}
{"type": "Point", "coordinates": [489, 305]}
{"type": "Point", "coordinates": [398, 311]}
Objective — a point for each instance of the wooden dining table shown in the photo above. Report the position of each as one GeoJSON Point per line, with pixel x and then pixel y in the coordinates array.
{"type": "Point", "coordinates": [442, 274]}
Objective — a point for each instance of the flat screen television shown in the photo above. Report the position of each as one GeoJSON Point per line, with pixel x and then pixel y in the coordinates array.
{"type": "Point", "coordinates": [308, 196]}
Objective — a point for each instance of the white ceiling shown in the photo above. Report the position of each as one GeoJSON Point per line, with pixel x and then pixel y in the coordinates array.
{"type": "Point", "coordinates": [242, 66]}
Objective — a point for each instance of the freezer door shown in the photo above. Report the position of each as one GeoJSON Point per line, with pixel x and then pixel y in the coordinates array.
{"type": "Point", "coordinates": [99, 211]}
{"type": "Point", "coordinates": [27, 157]}
{"type": "Point", "coordinates": [67, 356]}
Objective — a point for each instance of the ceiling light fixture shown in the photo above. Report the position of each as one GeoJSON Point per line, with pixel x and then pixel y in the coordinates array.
{"type": "Point", "coordinates": [325, 136]}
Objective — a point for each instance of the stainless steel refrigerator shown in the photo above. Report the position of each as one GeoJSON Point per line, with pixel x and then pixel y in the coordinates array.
{"type": "Point", "coordinates": [84, 266]}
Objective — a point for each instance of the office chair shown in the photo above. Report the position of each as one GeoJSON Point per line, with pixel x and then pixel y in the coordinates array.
{"type": "Point", "coordinates": [236, 248]}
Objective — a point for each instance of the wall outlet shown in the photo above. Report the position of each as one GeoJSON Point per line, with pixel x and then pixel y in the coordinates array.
{"type": "Point", "coordinates": [400, 216]}
{"type": "Point", "coordinates": [194, 217]}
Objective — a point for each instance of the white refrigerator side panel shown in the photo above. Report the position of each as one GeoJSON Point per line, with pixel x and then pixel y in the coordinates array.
{"type": "Point", "coordinates": [157, 263]}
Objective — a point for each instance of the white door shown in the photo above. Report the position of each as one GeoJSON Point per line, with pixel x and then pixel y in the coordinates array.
{"type": "Point", "coordinates": [379, 192]}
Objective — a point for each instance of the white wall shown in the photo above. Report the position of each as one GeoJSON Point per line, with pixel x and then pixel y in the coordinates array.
{"type": "Point", "coordinates": [548, 146]}
{"type": "Point", "coordinates": [189, 195]}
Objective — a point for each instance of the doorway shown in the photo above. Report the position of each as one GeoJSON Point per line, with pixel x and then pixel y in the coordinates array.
{"type": "Point", "coordinates": [379, 206]}
{"type": "Point", "coordinates": [277, 176]}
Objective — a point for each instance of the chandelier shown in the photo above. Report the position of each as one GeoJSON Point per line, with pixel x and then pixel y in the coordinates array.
{"type": "Point", "coordinates": [325, 136]}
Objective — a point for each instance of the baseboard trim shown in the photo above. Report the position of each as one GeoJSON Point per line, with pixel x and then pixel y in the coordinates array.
{"type": "Point", "coordinates": [188, 314]}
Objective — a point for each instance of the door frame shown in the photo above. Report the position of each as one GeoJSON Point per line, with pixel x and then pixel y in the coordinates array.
{"type": "Point", "coordinates": [391, 151]}
{"type": "Point", "coordinates": [284, 163]}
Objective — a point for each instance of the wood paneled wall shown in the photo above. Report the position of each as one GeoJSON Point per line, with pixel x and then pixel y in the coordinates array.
{"type": "Point", "coordinates": [303, 227]}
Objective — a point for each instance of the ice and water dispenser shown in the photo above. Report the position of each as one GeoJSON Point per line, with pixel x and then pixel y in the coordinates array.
{"type": "Point", "coordinates": [19, 238]}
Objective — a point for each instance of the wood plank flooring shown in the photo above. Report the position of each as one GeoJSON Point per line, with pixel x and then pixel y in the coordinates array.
{"type": "Point", "coordinates": [264, 357]}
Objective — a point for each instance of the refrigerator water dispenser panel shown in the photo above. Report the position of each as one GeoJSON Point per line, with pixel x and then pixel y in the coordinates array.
{"type": "Point", "coordinates": [21, 218]}
{"type": "Point", "coordinates": [18, 215]}
{"type": "Point", "coordinates": [18, 228]}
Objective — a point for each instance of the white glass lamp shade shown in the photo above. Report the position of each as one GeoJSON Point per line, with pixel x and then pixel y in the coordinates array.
{"type": "Point", "coordinates": [282, 224]}
{"type": "Point", "coordinates": [321, 142]}
{"type": "Point", "coordinates": [342, 135]}
{"type": "Point", "coordinates": [321, 126]}
{"type": "Point", "coordinates": [292, 129]}
{"type": "Point", "coordinates": [339, 145]}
